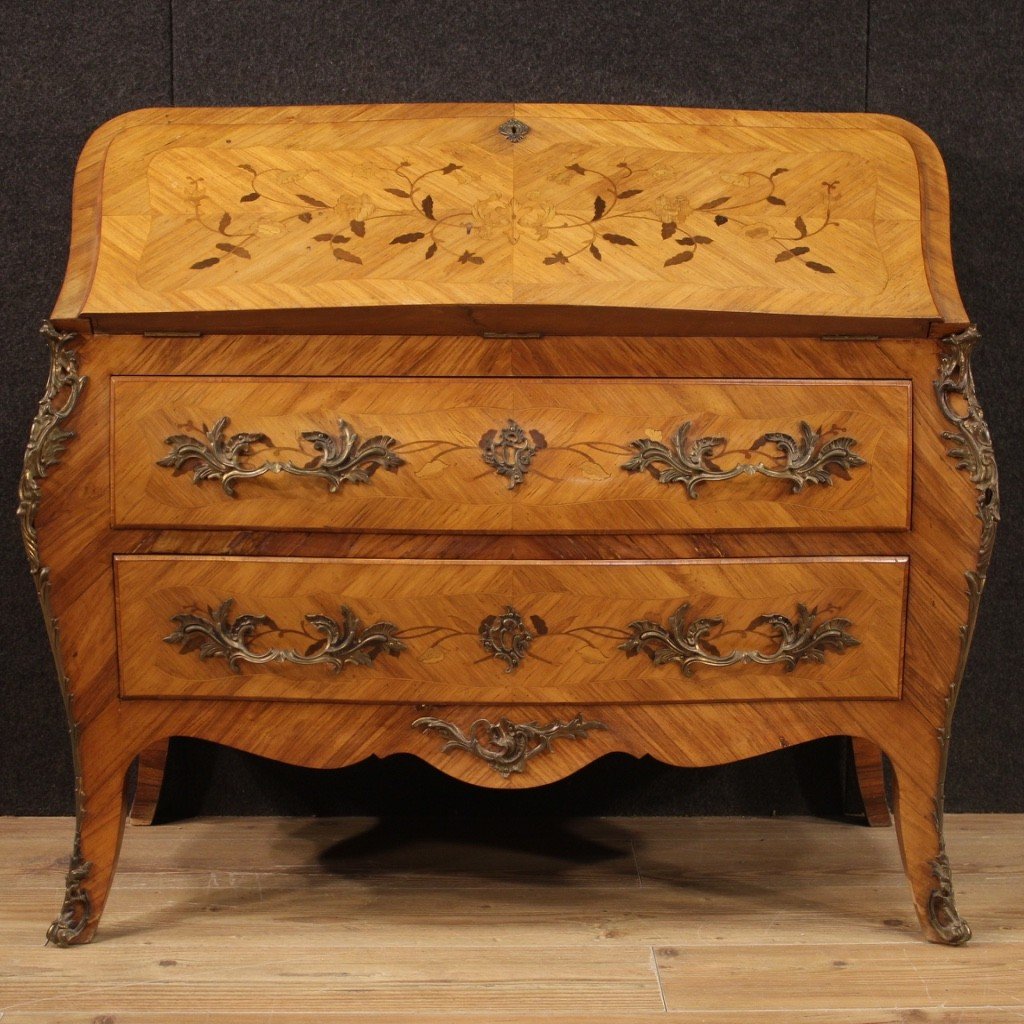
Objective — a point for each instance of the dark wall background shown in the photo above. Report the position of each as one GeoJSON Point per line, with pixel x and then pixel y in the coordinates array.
{"type": "Point", "coordinates": [953, 68]}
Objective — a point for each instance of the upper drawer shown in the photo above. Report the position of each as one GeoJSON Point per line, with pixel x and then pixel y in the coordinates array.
{"type": "Point", "coordinates": [495, 455]}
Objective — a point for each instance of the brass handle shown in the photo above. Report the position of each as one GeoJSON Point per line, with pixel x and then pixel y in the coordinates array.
{"type": "Point", "coordinates": [687, 644]}
{"type": "Point", "coordinates": [342, 459]}
{"type": "Point", "coordinates": [807, 461]}
{"type": "Point", "coordinates": [505, 745]}
{"type": "Point", "coordinates": [346, 642]}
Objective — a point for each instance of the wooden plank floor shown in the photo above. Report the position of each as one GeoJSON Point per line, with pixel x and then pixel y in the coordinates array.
{"type": "Point", "coordinates": [289, 921]}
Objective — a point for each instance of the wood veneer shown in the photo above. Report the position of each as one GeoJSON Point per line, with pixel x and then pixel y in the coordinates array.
{"type": "Point", "coordinates": [910, 398]}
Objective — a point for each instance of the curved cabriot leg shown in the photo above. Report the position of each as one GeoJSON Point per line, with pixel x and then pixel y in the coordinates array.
{"type": "Point", "coordinates": [918, 812]}
{"type": "Point", "coordinates": [102, 806]}
{"type": "Point", "coordinates": [150, 778]}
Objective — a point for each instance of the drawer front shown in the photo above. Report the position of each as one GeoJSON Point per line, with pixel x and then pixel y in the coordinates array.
{"type": "Point", "coordinates": [502, 456]}
{"type": "Point", "coordinates": [498, 633]}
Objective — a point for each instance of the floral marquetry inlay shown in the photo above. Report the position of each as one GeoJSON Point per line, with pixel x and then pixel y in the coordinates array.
{"type": "Point", "coordinates": [445, 211]}
{"type": "Point", "coordinates": [582, 213]}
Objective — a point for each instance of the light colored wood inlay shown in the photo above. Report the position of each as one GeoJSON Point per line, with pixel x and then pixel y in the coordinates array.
{"type": "Point", "coordinates": [578, 615]}
{"type": "Point", "coordinates": [582, 431]}
{"type": "Point", "coordinates": [825, 217]}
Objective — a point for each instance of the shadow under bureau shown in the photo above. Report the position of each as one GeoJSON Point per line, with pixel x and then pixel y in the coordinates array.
{"type": "Point", "coordinates": [508, 436]}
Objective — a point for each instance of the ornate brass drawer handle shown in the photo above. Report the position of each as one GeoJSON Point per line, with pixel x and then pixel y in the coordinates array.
{"type": "Point", "coordinates": [510, 451]}
{"type": "Point", "coordinates": [505, 746]}
{"type": "Point", "coordinates": [687, 644]}
{"type": "Point", "coordinates": [342, 459]}
{"type": "Point", "coordinates": [801, 462]}
{"type": "Point", "coordinates": [346, 642]}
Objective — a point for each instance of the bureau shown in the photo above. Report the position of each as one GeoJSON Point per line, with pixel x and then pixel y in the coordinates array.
{"type": "Point", "coordinates": [508, 436]}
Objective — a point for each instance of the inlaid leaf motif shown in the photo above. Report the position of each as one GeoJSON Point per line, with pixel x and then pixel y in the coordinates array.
{"type": "Point", "coordinates": [788, 254]}
{"type": "Point", "coordinates": [535, 216]}
{"type": "Point", "coordinates": [234, 250]}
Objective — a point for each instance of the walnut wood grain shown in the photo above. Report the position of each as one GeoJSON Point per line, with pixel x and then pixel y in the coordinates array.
{"type": "Point", "coordinates": [557, 226]}
{"type": "Point", "coordinates": [584, 435]}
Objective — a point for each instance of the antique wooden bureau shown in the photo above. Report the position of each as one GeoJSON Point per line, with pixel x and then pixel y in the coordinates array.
{"type": "Point", "coordinates": [508, 436]}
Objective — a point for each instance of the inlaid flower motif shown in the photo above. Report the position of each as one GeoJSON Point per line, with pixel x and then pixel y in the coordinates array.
{"type": "Point", "coordinates": [493, 216]}
{"type": "Point", "coordinates": [672, 209]}
{"type": "Point", "coordinates": [349, 207]}
{"type": "Point", "coordinates": [607, 209]}
{"type": "Point", "coordinates": [536, 216]}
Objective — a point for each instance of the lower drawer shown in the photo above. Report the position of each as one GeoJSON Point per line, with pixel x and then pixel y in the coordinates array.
{"type": "Point", "coordinates": [496, 632]}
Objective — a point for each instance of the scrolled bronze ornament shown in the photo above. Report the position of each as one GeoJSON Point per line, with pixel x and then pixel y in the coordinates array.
{"type": "Point", "coordinates": [687, 643]}
{"type": "Point", "coordinates": [47, 442]}
{"type": "Point", "coordinates": [974, 455]}
{"type": "Point", "coordinates": [342, 459]}
{"type": "Point", "coordinates": [514, 130]}
{"type": "Point", "coordinates": [506, 637]}
{"type": "Point", "coordinates": [942, 912]}
{"type": "Point", "coordinates": [691, 463]}
{"type": "Point", "coordinates": [215, 635]}
{"type": "Point", "coordinates": [504, 745]}
{"type": "Point", "coordinates": [77, 907]}
{"type": "Point", "coordinates": [510, 451]}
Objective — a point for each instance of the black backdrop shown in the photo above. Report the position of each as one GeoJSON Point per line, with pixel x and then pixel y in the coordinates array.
{"type": "Point", "coordinates": [953, 68]}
